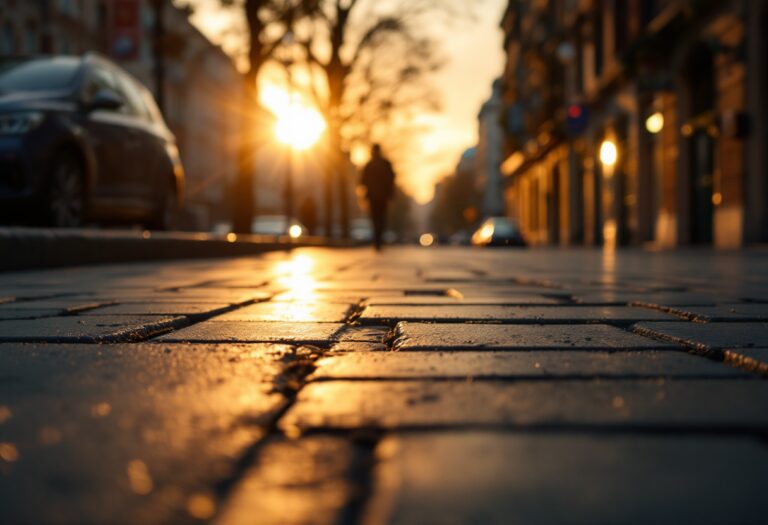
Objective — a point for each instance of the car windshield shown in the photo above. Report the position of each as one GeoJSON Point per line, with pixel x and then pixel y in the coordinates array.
{"type": "Point", "coordinates": [41, 74]}
{"type": "Point", "coordinates": [504, 227]}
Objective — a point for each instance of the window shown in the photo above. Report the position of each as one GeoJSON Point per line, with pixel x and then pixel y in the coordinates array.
{"type": "Point", "coordinates": [38, 75]}
{"type": "Point", "coordinates": [7, 38]}
{"type": "Point", "coordinates": [134, 102]}
{"type": "Point", "coordinates": [598, 36]}
{"type": "Point", "coordinates": [101, 15]}
{"type": "Point", "coordinates": [64, 47]}
{"type": "Point", "coordinates": [68, 7]}
{"type": "Point", "coordinates": [98, 79]}
{"type": "Point", "coordinates": [154, 111]}
{"type": "Point", "coordinates": [31, 40]}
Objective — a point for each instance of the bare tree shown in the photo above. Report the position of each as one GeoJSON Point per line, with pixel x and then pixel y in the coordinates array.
{"type": "Point", "coordinates": [266, 23]}
{"type": "Point", "coordinates": [373, 58]}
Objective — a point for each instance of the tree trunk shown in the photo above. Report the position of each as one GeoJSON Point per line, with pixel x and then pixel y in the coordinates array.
{"type": "Point", "coordinates": [243, 205]}
{"type": "Point", "coordinates": [340, 168]}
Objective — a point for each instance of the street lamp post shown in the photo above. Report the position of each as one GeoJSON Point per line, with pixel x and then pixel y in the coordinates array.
{"type": "Point", "coordinates": [609, 156]}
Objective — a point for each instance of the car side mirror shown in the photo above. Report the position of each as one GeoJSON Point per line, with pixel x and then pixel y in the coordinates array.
{"type": "Point", "coordinates": [106, 99]}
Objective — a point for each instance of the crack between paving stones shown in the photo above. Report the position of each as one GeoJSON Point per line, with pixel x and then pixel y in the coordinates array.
{"type": "Point", "coordinates": [287, 383]}
{"type": "Point", "coordinates": [699, 349]}
{"type": "Point", "coordinates": [361, 476]}
{"type": "Point", "coordinates": [759, 432]}
{"type": "Point", "coordinates": [681, 314]}
{"type": "Point", "coordinates": [508, 379]}
{"type": "Point", "coordinates": [718, 355]}
{"type": "Point", "coordinates": [353, 313]}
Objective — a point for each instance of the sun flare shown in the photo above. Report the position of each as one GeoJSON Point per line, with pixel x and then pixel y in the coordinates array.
{"type": "Point", "coordinates": [298, 125]}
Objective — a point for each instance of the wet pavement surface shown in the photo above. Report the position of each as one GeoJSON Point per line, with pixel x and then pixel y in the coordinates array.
{"type": "Point", "coordinates": [415, 386]}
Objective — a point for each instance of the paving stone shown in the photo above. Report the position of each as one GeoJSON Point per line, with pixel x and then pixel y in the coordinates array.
{"type": "Point", "coordinates": [500, 478]}
{"type": "Point", "coordinates": [221, 295]}
{"type": "Point", "coordinates": [627, 404]}
{"type": "Point", "coordinates": [64, 305]}
{"type": "Point", "coordinates": [509, 300]}
{"type": "Point", "coordinates": [355, 346]}
{"type": "Point", "coordinates": [128, 433]}
{"type": "Point", "coordinates": [176, 298]}
{"type": "Point", "coordinates": [364, 334]}
{"type": "Point", "coordinates": [450, 275]}
{"type": "Point", "coordinates": [87, 329]}
{"type": "Point", "coordinates": [423, 336]}
{"type": "Point", "coordinates": [234, 283]}
{"type": "Point", "coordinates": [663, 299]}
{"type": "Point", "coordinates": [471, 291]}
{"type": "Point", "coordinates": [346, 286]}
{"type": "Point", "coordinates": [511, 314]}
{"type": "Point", "coordinates": [186, 309]}
{"type": "Point", "coordinates": [325, 298]}
{"type": "Point", "coordinates": [28, 313]}
{"type": "Point", "coordinates": [289, 312]}
{"type": "Point", "coordinates": [724, 312]}
{"type": "Point", "coordinates": [302, 481]}
{"type": "Point", "coordinates": [549, 364]}
{"type": "Point", "coordinates": [17, 293]}
{"type": "Point", "coordinates": [709, 335]}
{"type": "Point", "coordinates": [321, 334]}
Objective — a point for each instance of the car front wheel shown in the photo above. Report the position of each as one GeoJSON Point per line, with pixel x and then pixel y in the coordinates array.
{"type": "Point", "coordinates": [66, 193]}
{"type": "Point", "coordinates": [166, 213]}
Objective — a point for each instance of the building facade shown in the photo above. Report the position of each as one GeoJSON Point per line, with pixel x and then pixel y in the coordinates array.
{"type": "Point", "coordinates": [490, 154]}
{"type": "Point", "coordinates": [631, 122]}
{"type": "Point", "coordinates": [201, 88]}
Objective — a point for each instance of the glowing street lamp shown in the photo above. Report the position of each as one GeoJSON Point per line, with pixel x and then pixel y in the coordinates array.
{"type": "Point", "coordinates": [609, 153]}
{"type": "Point", "coordinates": [654, 123]}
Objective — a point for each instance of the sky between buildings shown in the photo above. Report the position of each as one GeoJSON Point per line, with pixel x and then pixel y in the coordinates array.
{"type": "Point", "coordinates": [475, 58]}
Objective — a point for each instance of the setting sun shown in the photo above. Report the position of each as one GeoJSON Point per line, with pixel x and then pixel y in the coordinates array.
{"type": "Point", "coordinates": [298, 125]}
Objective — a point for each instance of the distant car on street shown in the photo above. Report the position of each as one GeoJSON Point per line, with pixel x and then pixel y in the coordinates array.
{"type": "Point", "coordinates": [81, 140]}
{"type": "Point", "coordinates": [277, 225]}
{"type": "Point", "coordinates": [498, 231]}
{"type": "Point", "coordinates": [361, 229]}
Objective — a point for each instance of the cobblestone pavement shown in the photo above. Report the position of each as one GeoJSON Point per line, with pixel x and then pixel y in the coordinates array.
{"type": "Point", "coordinates": [418, 386]}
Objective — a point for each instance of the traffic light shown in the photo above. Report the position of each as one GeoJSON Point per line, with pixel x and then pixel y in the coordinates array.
{"type": "Point", "coordinates": [577, 117]}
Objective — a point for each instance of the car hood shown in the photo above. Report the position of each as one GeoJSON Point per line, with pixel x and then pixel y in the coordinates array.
{"type": "Point", "coordinates": [35, 101]}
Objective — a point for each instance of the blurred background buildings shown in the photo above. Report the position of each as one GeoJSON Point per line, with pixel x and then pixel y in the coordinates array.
{"type": "Point", "coordinates": [637, 121]}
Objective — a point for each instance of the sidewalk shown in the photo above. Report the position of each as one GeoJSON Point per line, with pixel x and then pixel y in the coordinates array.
{"type": "Point", "coordinates": [416, 386]}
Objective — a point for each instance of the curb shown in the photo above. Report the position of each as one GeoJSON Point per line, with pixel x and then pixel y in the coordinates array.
{"type": "Point", "coordinates": [34, 248]}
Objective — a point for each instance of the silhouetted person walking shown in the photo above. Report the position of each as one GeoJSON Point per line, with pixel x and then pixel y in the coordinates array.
{"type": "Point", "coordinates": [379, 182]}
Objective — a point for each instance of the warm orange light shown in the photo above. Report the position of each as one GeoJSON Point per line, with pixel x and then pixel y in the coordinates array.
{"type": "Point", "coordinates": [297, 276]}
{"type": "Point", "coordinates": [298, 125]}
{"type": "Point", "coordinates": [299, 128]}
{"type": "Point", "coordinates": [427, 239]}
{"type": "Point", "coordinates": [609, 153]}
{"type": "Point", "coordinates": [295, 231]}
{"type": "Point", "coordinates": [484, 234]}
{"type": "Point", "coordinates": [655, 123]}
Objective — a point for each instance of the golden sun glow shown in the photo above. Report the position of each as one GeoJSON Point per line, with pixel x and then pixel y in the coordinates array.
{"type": "Point", "coordinates": [298, 125]}
{"type": "Point", "coordinates": [297, 276]}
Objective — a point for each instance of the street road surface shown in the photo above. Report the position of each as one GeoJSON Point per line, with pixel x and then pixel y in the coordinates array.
{"type": "Point", "coordinates": [416, 386]}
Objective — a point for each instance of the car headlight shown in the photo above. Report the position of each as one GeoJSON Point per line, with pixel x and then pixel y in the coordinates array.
{"type": "Point", "coordinates": [19, 123]}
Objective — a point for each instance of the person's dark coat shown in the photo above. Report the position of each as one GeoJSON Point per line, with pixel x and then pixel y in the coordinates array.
{"type": "Point", "coordinates": [379, 180]}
